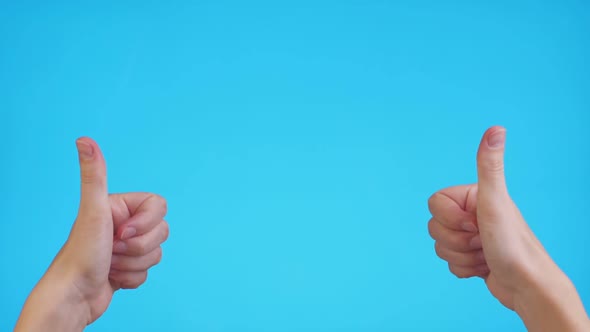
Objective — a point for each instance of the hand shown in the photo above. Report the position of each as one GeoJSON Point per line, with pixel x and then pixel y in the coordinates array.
{"type": "Point", "coordinates": [480, 232]}
{"type": "Point", "coordinates": [114, 241]}
{"type": "Point", "coordinates": [478, 229]}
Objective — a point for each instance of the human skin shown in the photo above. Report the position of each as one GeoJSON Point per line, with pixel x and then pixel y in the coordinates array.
{"type": "Point", "coordinates": [480, 232]}
{"type": "Point", "coordinates": [477, 228]}
{"type": "Point", "coordinates": [115, 239]}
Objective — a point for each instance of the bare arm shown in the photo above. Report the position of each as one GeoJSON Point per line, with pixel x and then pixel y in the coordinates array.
{"type": "Point", "coordinates": [480, 232]}
{"type": "Point", "coordinates": [113, 243]}
{"type": "Point", "coordinates": [551, 303]}
{"type": "Point", "coordinates": [53, 305]}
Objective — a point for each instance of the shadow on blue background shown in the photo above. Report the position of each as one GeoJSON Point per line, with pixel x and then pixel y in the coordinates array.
{"type": "Point", "coordinates": [297, 143]}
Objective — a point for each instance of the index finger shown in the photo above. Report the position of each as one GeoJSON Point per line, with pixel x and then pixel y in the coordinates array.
{"type": "Point", "coordinates": [447, 207]}
{"type": "Point", "coordinates": [147, 211]}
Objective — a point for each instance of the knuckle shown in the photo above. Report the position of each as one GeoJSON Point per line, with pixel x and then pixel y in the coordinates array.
{"type": "Point", "coordinates": [133, 280]}
{"type": "Point", "coordinates": [165, 231]}
{"type": "Point", "coordinates": [452, 269]}
{"type": "Point", "coordinates": [494, 165]}
{"type": "Point", "coordinates": [431, 229]}
{"type": "Point", "coordinates": [161, 202]}
{"type": "Point", "coordinates": [164, 205]}
{"type": "Point", "coordinates": [432, 201]}
{"type": "Point", "coordinates": [158, 256]}
{"type": "Point", "coordinates": [130, 285]}
{"type": "Point", "coordinates": [126, 281]}
{"type": "Point", "coordinates": [141, 279]}
{"type": "Point", "coordinates": [91, 177]}
{"type": "Point", "coordinates": [458, 272]}
{"type": "Point", "coordinates": [437, 250]}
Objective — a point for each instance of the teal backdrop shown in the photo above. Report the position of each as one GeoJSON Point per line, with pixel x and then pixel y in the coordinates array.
{"type": "Point", "coordinates": [297, 143]}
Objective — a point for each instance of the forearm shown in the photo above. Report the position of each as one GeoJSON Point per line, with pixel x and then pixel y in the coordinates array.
{"type": "Point", "coordinates": [551, 303]}
{"type": "Point", "coordinates": [53, 306]}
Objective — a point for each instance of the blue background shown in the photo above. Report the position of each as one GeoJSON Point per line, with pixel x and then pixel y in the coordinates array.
{"type": "Point", "coordinates": [297, 143]}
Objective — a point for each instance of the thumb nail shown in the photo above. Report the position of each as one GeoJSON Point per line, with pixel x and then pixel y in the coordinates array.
{"type": "Point", "coordinates": [85, 150]}
{"type": "Point", "coordinates": [496, 140]}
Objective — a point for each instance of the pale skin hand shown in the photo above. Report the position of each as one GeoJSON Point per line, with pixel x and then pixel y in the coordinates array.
{"type": "Point", "coordinates": [114, 241]}
{"type": "Point", "coordinates": [480, 232]}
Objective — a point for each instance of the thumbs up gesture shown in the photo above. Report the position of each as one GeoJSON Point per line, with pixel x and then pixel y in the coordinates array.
{"type": "Point", "coordinates": [480, 232]}
{"type": "Point", "coordinates": [115, 239]}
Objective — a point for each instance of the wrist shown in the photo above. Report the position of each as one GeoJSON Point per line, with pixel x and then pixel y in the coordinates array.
{"type": "Point", "coordinates": [55, 304]}
{"type": "Point", "coordinates": [548, 300]}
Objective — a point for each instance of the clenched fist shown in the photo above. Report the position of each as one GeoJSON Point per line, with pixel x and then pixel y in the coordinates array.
{"type": "Point", "coordinates": [480, 232]}
{"type": "Point", "coordinates": [113, 242]}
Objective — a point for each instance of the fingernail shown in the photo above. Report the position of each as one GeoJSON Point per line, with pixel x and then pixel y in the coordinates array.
{"type": "Point", "coordinates": [85, 150]}
{"type": "Point", "coordinates": [496, 140]}
{"type": "Point", "coordinates": [469, 227]}
{"type": "Point", "coordinates": [119, 247]}
{"type": "Point", "coordinates": [475, 242]}
{"type": "Point", "coordinates": [127, 233]}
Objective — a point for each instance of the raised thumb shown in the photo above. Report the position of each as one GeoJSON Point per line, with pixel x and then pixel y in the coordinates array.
{"type": "Point", "coordinates": [490, 166]}
{"type": "Point", "coordinates": [94, 193]}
